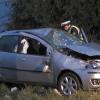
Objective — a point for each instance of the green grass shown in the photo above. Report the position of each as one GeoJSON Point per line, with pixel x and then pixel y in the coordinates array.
{"type": "Point", "coordinates": [40, 93]}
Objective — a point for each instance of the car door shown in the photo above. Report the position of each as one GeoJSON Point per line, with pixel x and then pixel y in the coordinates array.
{"type": "Point", "coordinates": [84, 35]}
{"type": "Point", "coordinates": [35, 64]}
{"type": "Point", "coordinates": [8, 51]}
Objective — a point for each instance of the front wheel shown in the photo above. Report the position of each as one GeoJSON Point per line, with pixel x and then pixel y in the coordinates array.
{"type": "Point", "coordinates": [68, 84]}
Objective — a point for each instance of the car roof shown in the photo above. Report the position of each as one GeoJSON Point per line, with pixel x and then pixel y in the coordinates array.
{"type": "Point", "coordinates": [41, 32]}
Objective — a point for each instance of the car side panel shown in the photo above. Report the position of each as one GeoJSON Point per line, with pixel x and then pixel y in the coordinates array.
{"type": "Point", "coordinates": [7, 66]}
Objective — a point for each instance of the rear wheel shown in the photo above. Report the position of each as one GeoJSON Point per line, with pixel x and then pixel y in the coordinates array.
{"type": "Point", "coordinates": [68, 84]}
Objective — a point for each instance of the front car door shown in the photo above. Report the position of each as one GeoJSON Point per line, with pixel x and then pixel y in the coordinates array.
{"type": "Point", "coordinates": [34, 65]}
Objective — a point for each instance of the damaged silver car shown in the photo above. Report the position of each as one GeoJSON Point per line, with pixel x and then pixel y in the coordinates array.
{"type": "Point", "coordinates": [49, 57]}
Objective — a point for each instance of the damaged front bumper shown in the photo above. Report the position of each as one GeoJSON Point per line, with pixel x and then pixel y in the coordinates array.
{"type": "Point", "coordinates": [91, 79]}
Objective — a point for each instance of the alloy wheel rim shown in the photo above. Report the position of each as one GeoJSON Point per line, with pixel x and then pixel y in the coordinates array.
{"type": "Point", "coordinates": [68, 85]}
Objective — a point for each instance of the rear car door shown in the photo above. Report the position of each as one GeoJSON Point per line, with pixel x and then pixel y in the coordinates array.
{"type": "Point", "coordinates": [8, 49]}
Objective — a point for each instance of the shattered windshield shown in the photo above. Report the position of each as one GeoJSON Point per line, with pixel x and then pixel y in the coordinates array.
{"type": "Point", "coordinates": [60, 38]}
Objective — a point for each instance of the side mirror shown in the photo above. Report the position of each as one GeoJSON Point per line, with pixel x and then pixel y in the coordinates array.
{"type": "Point", "coordinates": [49, 52]}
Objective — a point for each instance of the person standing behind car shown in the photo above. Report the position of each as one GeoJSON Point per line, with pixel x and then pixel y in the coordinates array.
{"type": "Point", "coordinates": [66, 25]}
{"type": "Point", "coordinates": [72, 29]}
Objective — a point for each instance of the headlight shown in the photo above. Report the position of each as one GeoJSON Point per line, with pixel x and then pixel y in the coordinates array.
{"type": "Point", "coordinates": [92, 65]}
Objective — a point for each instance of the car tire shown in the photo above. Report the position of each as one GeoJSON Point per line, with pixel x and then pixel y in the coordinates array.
{"type": "Point", "coordinates": [68, 84]}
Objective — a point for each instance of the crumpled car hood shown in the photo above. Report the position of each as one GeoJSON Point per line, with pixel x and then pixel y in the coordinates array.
{"type": "Point", "coordinates": [89, 49]}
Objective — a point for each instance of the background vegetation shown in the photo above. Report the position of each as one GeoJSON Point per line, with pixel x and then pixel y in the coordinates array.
{"type": "Point", "coordinates": [50, 13]}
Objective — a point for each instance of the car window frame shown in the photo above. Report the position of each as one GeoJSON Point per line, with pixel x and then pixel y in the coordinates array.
{"type": "Point", "coordinates": [33, 36]}
{"type": "Point", "coordinates": [37, 38]}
